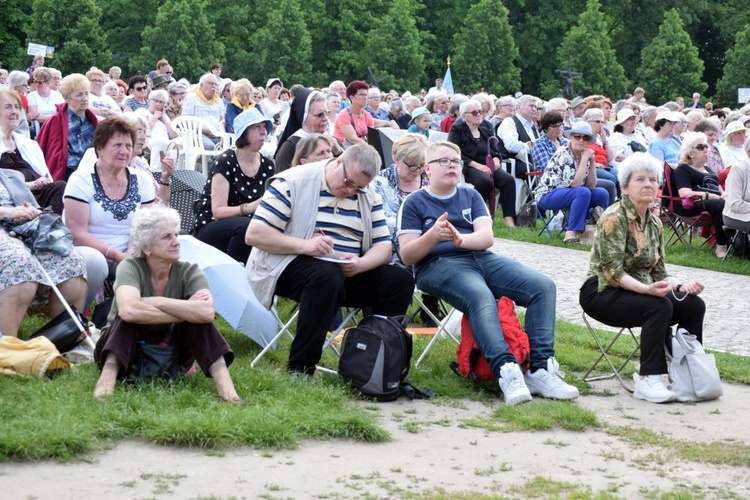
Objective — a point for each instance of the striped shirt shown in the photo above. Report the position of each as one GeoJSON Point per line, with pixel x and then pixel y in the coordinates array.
{"type": "Point", "coordinates": [339, 218]}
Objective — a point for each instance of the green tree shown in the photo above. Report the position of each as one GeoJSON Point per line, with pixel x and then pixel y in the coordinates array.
{"type": "Point", "coordinates": [438, 21]}
{"type": "Point", "coordinates": [736, 70]}
{"type": "Point", "coordinates": [124, 32]}
{"type": "Point", "coordinates": [74, 29]}
{"type": "Point", "coordinates": [402, 58]}
{"type": "Point", "coordinates": [12, 36]}
{"type": "Point", "coordinates": [586, 46]}
{"type": "Point", "coordinates": [670, 66]}
{"type": "Point", "coordinates": [539, 27]}
{"type": "Point", "coordinates": [283, 45]}
{"type": "Point", "coordinates": [234, 35]}
{"type": "Point", "coordinates": [183, 35]}
{"type": "Point", "coordinates": [494, 66]}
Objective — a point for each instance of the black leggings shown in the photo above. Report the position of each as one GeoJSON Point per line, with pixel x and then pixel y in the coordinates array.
{"type": "Point", "coordinates": [504, 182]}
{"type": "Point", "coordinates": [655, 315]}
{"type": "Point", "coordinates": [713, 207]}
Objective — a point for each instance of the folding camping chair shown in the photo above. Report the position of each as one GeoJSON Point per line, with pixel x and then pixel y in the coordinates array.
{"type": "Point", "coordinates": [682, 226]}
{"type": "Point", "coordinates": [739, 241]}
{"type": "Point", "coordinates": [607, 356]}
{"type": "Point", "coordinates": [442, 330]}
{"type": "Point", "coordinates": [285, 329]}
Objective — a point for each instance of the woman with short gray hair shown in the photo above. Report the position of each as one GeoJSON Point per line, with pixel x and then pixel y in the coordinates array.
{"type": "Point", "coordinates": [161, 300]}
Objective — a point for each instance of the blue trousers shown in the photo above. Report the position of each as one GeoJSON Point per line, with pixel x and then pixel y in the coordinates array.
{"type": "Point", "coordinates": [475, 281]}
{"type": "Point", "coordinates": [576, 199]}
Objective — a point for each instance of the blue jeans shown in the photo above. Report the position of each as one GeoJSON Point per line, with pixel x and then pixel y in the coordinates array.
{"type": "Point", "coordinates": [578, 200]}
{"type": "Point", "coordinates": [609, 175]}
{"type": "Point", "coordinates": [473, 283]}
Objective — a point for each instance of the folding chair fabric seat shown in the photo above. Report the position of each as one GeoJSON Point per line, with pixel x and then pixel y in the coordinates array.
{"type": "Point", "coordinates": [442, 330]}
{"type": "Point", "coordinates": [186, 186]}
{"type": "Point", "coordinates": [683, 226]}
{"type": "Point", "coordinates": [606, 355]}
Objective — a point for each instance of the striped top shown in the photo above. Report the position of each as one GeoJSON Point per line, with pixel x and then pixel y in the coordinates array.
{"type": "Point", "coordinates": [339, 218]}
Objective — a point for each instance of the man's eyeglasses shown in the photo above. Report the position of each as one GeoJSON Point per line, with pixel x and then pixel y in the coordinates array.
{"type": "Point", "coordinates": [448, 162]}
{"type": "Point", "coordinates": [349, 184]}
{"type": "Point", "coordinates": [139, 89]}
{"type": "Point", "coordinates": [476, 112]}
{"type": "Point", "coordinates": [701, 147]}
{"type": "Point", "coordinates": [320, 115]}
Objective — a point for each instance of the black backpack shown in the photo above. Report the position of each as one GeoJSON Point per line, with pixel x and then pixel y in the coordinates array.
{"type": "Point", "coordinates": [375, 359]}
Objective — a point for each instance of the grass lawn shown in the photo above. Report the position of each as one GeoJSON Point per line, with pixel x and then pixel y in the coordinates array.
{"type": "Point", "coordinates": [58, 418]}
{"type": "Point", "coordinates": [699, 255]}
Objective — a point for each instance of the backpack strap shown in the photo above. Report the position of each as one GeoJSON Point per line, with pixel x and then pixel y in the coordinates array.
{"type": "Point", "coordinates": [411, 392]}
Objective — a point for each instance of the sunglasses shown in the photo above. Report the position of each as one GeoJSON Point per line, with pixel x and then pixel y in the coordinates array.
{"type": "Point", "coordinates": [579, 137]}
{"type": "Point", "coordinates": [701, 147]}
{"type": "Point", "coordinates": [139, 89]}
{"type": "Point", "coordinates": [320, 115]}
{"type": "Point", "coordinates": [475, 112]}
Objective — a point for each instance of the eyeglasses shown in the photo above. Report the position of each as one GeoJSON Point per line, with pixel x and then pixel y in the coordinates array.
{"type": "Point", "coordinates": [414, 168]}
{"type": "Point", "coordinates": [475, 112]}
{"type": "Point", "coordinates": [556, 125]}
{"type": "Point", "coordinates": [167, 72]}
{"type": "Point", "coordinates": [361, 95]}
{"type": "Point", "coordinates": [349, 184]}
{"type": "Point", "coordinates": [97, 81]}
{"type": "Point", "coordinates": [579, 137]}
{"type": "Point", "coordinates": [511, 106]}
{"type": "Point", "coordinates": [448, 162]}
{"type": "Point", "coordinates": [139, 89]}
{"type": "Point", "coordinates": [701, 147]}
{"type": "Point", "coordinates": [320, 115]}
{"type": "Point", "coordinates": [159, 101]}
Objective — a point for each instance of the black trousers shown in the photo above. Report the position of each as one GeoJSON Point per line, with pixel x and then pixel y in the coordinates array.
{"type": "Point", "coordinates": [194, 342]}
{"type": "Point", "coordinates": [713, 207]}
{"type": "Point", "coordinates": [321, 290]}
{"type": "Point", "coordinates": [503, 182]}
{"type": "Point", "coordinates": [655, 315]}
{"type": "Point", "coordinates": [228, 235]}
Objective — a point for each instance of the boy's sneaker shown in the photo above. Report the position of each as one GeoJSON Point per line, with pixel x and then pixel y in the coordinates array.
{"type": "Point", "coordinates": [512, 384]}
{"type": "Point", "coordinates": [651, 388]}
{"type": "Point", "coordinates": [549, 382]}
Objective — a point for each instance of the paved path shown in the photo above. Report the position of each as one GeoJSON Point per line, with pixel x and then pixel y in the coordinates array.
{"type": "Point", "coordinates": [726, 295]}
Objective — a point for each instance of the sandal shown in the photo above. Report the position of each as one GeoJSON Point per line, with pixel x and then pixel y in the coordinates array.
{"type": "Point", "coordinates": [572, 241]}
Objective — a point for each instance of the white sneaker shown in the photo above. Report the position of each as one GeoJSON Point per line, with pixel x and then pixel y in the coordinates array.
{"type": "Point", "coordinates": [512, 384]}
{"type": "Point", "coordinates": [549, 383]}
{"type": "Point", "coordinates": [651, 388]}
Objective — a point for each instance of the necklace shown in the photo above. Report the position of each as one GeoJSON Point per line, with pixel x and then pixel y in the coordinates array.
{"type": "Point", "coordinates": [107, 187]}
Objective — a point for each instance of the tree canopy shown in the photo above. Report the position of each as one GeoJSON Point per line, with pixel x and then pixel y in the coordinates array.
{"type": "Point", "coordinates": [670, 65]}
{"type": "Point", "coordinates": [501, 45]}
{"type": "Point", "coordinates": [736, 70]}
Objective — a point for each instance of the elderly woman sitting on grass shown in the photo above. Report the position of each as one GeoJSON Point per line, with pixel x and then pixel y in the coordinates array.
{"type": "Point", "coordinates": [161, 300]}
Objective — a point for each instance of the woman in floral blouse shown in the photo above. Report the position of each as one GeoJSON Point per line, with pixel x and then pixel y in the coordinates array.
{"type": "Point", "coordinates": [569, 181]}
{"type": "Point", "coordinates": [627, 284]}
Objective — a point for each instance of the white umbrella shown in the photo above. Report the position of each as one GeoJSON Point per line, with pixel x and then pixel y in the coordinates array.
{"type": "Point", "coordinates": [233, 298]}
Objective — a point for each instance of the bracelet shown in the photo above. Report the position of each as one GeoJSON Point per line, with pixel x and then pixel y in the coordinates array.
{"type": "Point", "coordinates": [165, 183]}
{"type": "Point", "coordinates": [106, 254]}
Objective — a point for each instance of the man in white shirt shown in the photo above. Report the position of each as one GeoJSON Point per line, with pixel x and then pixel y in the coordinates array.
{"type": "Point", "coordinates": [205, 102]}
{"type": "Point", "coordinates": [520, 131]}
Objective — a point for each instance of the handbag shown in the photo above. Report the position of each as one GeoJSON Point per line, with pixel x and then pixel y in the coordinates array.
{"type": "Point", "coordinates": [710, 185]}
{"type": "Point", "coordinates": [62, 331]}
{"type": "Point", "coordinates": [692, 373]}
{"type": "Point", "coordinates": [637, 147]}
{"type": "Point", "coordinates": [527, 215]}
{"type": "Point", "coordinates": [688, 202]}
{"type": "Point", "coordinates": [45, 232]}
{"type": "Point", "coordinates": [153, 361]}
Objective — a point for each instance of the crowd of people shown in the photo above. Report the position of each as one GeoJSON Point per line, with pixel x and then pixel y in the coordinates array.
{"type": "Point", "coordinates": [304, 202]}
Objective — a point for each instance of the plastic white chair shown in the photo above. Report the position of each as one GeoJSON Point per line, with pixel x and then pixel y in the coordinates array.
{"type": "Point", "coordinates": [191, 129]}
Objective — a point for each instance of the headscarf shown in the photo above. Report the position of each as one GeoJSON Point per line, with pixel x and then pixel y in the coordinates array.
{"type": "Point", "coordinates": [297, 113]}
